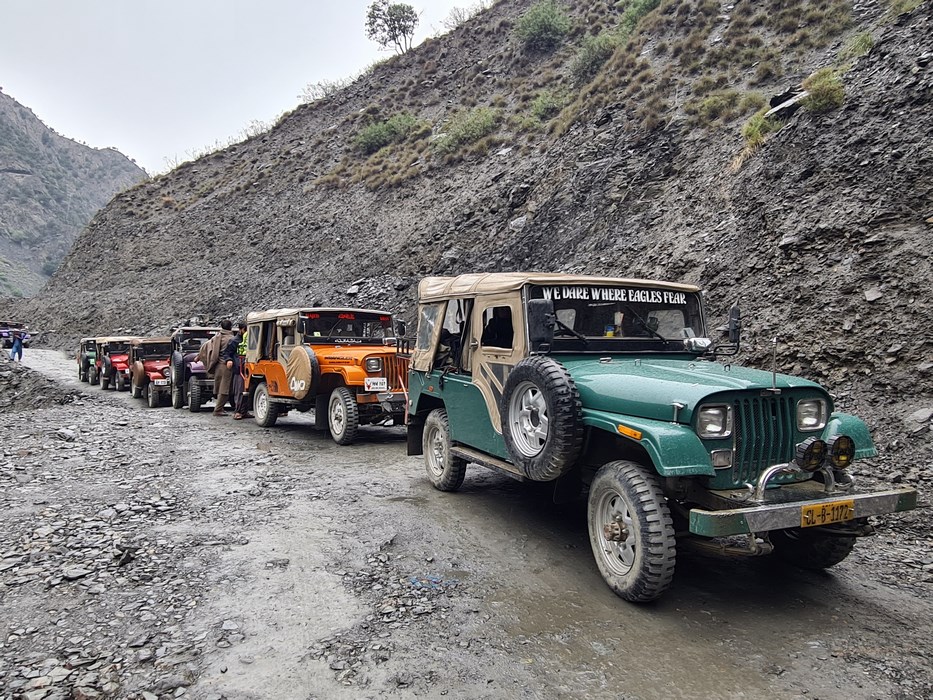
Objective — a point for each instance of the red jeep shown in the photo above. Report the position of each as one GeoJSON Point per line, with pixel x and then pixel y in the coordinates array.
{"type": "Point", "coordinates": [113, 361]}
{"type": "Point", "coordinates": [149, 369]}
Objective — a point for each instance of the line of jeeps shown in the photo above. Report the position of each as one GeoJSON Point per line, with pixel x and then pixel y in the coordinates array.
{"type": "Point", "coordinates": [609, 389]}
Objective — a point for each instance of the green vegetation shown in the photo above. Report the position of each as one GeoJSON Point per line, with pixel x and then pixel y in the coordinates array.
{"type": "Point", "coordinates": [899, 7]}
{"type": "Point", "coordinates": [466, 128]}
{"type": "Point", "coordinates": [725, 105]}
{"type": "Point", "coordinates": [548, 104]}
{"type": "Point", "coordinates": [757, 128]}
{"type": "Point", "coordinates": [594, 52]}
{"type": "Point", "coordinates": [543, 26]}
{"type": "Point", "coordinates": [857, 46]}
{"type": "Point", "coordinates": [826, 91]}
{"type": "Point", "coordinates": [634, 11]}
{"type": "Point", "coordinates": [380, 134]}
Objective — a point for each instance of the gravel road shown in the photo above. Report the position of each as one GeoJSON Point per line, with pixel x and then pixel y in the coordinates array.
{"type": "Point", "coordinates": [155, 553]}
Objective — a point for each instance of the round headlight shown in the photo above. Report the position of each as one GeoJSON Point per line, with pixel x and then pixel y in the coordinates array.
{"type": "Point", "coordinates": [810, 454]}
{"type": "Point", "coordinates": [166, 371]}
{"type": "Point", "coordinates": [373, 364]}
{"type": "Point", "coordinates": [841, 450]}
{"type": "Point", "coordinates": [714, 421]}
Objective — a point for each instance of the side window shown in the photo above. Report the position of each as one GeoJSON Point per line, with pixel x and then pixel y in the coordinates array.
{"type": "Point", "coordinates": [497, 327]}
{"type": "Point", "coordinates": [427, 321]}
{"type": "Point", "coordinates": [450, 347]}
{"type": "Point", "coordinates": [252, 337]}
{"type": "Point", "coordinates": [268, 339]}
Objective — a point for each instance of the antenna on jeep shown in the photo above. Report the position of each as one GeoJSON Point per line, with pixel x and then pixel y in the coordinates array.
{"type": "Point", "coordinates": [774, 365]}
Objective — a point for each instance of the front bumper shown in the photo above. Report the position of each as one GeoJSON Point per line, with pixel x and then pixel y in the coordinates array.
{"type": "Point", "coordinates": [785, 509]}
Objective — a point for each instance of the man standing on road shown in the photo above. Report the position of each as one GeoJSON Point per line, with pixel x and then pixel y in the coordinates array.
{"type": "Point", "coordinates": [17, 351]}
{"type": "Point", "coordinates": [222, 373]}
{"type": "Point", "coordinates": [235, 356]}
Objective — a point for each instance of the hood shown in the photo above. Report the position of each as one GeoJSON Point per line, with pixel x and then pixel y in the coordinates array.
{"type": "Point", "coordinates": [649, 387]}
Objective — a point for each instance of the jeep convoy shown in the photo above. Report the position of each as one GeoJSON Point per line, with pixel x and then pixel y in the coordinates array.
{"type": "Point", "coordinates": [608, 388]}
{"type": "Point", "coordinates": [612, 386]}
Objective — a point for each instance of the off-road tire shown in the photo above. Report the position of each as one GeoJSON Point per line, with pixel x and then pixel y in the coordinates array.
{"type": "Point", "coordinates": [625, 494]}
{"type": "Point", "coordinates": [136, 391]}
{"type": "Point", "coordinates": [811, 549]}
{"type": "Point", "coordinates": [104, 381]}
{"type": "Point", "coordinates": [265, 412]}
{"type": "Point", "coordinates": [153, 398]}
{"type": "Point", "coordinates": [92, 375]}
{"type": "Point", "coordinates": [178, 395]}
{"type": "Point", "coordinates": [119, 381]}
{"type": "Point", "coordinates": [542, 418]}
{"type": "Point", "coordinates": [343, 416]}
{"type": "Point", "coordinates": [196, 398]}
{"type": "Point", "coordinates": [445, 471]}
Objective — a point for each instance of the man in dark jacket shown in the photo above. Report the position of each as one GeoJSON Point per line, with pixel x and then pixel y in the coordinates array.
{"type": "Point", "coordinates": [222, 372]}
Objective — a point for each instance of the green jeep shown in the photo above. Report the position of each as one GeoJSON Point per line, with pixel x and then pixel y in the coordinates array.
{"type": "Point", "coordinates": [611, 385]}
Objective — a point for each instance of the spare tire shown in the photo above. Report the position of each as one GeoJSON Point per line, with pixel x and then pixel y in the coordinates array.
{"type": "Point", "coordinates": [302, 372]}
{"type": "Point", "coordinates": [542, 418]}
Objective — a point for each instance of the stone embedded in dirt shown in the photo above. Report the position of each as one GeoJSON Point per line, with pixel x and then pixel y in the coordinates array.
{"type": "Point", "coordinates": [873, 294]}
{"type": "Point", "coordinates": [229, 625]}
{"type": "Point", "coordinates": [921, 416]}
{"type": "Point", "coordinates": [73, 574]}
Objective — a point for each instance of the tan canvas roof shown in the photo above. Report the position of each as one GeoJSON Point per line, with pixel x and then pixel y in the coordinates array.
{"type": "Point", "coordinates": [272, 314]}
{"type": "Point", "coordinates": [209, 329]}
{"type": "Point", "coordinates": [150, 341]}
{"type": "Point", "coordinates": [478, 284]}
{"type": "Point", "coordinates": [116, 338]}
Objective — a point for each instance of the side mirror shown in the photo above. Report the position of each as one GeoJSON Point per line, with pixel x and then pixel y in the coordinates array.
{"type": "Point", "coordinates": [400, 329]}
{"type": "Point", "coordinates": [735, 325]}
{"type": "Point", "coordinates": [540, 314]}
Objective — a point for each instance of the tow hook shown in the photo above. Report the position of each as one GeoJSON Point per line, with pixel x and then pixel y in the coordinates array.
{"type": "Point", "coordinates": [615, 532]}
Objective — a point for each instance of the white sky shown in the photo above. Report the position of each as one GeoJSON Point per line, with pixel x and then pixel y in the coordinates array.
{"type": "Point", "coordinates": [162, 79]}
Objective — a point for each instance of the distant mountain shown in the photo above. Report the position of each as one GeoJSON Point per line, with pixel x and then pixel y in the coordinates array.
{"type": "Point", "coordinates": [50, 188]}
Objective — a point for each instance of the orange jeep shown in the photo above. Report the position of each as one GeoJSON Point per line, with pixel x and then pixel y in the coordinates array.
{"type": "Point", "coordinates": [343, 363]}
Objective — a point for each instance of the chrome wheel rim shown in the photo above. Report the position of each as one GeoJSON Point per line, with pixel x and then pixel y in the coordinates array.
{"type": "Point", "coordinates": [528, 419]}
{"type": "Point", "coordinates": [338, 417]}
{"type": "Point", "coordinates": [262, 404]}
{"type": "Point", "coordinates": [436, 453]}
{"type": "Point", "coordinates": [610, 510]}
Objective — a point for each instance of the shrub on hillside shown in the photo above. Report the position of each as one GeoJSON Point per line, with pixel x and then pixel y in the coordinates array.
{"type": "Point", "coordinates": [857, 46]}
{"type": "Point", "coordinates": [543, 26]}
{"type": "Point", "coordinates": [634, 11]}
{"type": "Point", "coordinates": [591, 56]}
{"type": "Point", "coordinates": [758, 127]}
{"type": "Point", "coordinates": [467, 127]}
{"type": "Point", "coordinates": [380, 134]}
{"type": "Point", "coordinates": [547, 104]}
{"type": "Point", "coordinates": [826, 91]}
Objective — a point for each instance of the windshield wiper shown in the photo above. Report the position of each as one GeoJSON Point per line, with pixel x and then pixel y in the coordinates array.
{"type": "Point", "coordinates": [644, 324]}
{"type": "Point", "coordinates": [564, 326]}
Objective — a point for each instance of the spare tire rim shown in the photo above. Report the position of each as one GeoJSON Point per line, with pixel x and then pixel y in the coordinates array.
{"type": "Point", "coordinates": [528, 419]}
{"type": "Point", "coordinates": [612, 510]}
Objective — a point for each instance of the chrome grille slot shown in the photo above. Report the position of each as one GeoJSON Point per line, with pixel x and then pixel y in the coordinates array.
{"type": "Point", "coordinates": [764, 430]}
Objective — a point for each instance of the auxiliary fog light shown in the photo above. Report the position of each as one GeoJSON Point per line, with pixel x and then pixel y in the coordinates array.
{"type": "Point", "coordinates": [810, 454]}
{"type": "Point", "coordinates": [841, 450]}
{"type": "Point", "coordinates": [722, 459]}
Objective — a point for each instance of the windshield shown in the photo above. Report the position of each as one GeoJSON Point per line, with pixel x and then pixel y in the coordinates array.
{"type": "Point", "coordinates": [193, 343]}
{"type": "Point", "coordinates": [155, 350]}
{"type": "Point", "coordinates": [345, 327]}
{"type": "Point", "coordinates": [623, 314]}
{"type": "Point", "coordinates": [118, 348]}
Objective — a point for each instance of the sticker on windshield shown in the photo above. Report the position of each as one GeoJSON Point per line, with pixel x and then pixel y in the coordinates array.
{"type": "Point", "coordinates": [644, 296]}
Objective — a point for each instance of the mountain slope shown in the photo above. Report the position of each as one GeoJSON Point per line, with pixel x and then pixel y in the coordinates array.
{"type": "Point", "coordinates": [821, 234]}
{"type": "Point", "coordinates": [50, 187]}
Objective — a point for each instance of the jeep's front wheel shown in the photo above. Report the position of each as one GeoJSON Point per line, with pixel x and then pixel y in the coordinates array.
{"type": "Point", "coordinates": [631, 531]}
{"type": "Point", "coordinates": [91, 375]}
{"type": "Point", "coordinates": [343, 416]}
{"type": "Point", "coordinates": [136, 391]}
{"type": "Point", "coordinates": [542, 418]}
{"type": "Point", "coordinates": [152, 396]}
{"type": "Point", "coordinates": [264, 411]}
{"type": "Point", "coordinates": [104, 381]}
{"type": "Point", "coordinates": [445, 471]}
{"type": "Point", "coordinates": [196, 398]}
{"type": "Point", "coordinates": [811, 549]}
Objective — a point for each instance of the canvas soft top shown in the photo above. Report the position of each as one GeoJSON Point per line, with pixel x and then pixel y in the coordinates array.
{"type": "Point", "coordinates": [272, 314]}
{"type": "Point", "coordinates": [209, 329]}
{"type": "Point", "coordinates": [116, 338]}
{"type": "Point", "coordinates": [479, 284]}
{"type": "Point", "coordinates": [150, 341]}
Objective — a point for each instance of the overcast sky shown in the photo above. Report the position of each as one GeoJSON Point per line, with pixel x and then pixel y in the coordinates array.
{"type": "Point", "coordinates": [162, 79]}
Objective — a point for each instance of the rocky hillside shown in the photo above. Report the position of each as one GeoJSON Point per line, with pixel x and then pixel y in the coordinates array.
{"type": "Point", "coordinates": [50, 188]}
{"type": "Point", "coordinates": [505, 157]}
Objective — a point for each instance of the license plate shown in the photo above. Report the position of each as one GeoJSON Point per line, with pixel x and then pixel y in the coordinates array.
{"type": "Point", "coordinates": [160, 382]}
{"type": "Point", "coordinates": [827, 513]}
{"type": "Point", "coordinates": [376, 384]}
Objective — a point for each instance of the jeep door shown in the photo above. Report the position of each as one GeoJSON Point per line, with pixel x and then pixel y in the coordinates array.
{"type": "Point", "coordinates": [493, 343]}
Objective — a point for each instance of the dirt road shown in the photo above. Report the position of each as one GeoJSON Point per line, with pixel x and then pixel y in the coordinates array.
{"type": "Point", "coordinates": [155, 553]}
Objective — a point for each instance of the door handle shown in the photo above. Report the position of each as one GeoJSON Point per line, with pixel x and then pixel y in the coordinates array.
{"type": "Point", "coordinates": [474, 344]}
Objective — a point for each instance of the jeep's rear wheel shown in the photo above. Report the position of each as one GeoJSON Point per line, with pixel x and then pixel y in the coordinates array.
{"type": "Point", "coordinates": [811, 549]}
{"type": "Point", "coordinates": [343, 416]}
{"type": "Point", "coordinates": [542, 418]}
{"type": "Point", "coordinates": [196, 398]}
{"type": "Point", "coordinates": [264, 411]}
{"type": "Point", "coordinates": [445, 471]}
{"type": "Point", "coordinates": [631, 531]}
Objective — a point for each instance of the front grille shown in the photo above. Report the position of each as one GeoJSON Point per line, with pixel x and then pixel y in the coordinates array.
{"type": "Point", "coordinates": [764, 435]}
{"type": "Point", "coordinates": [396, 371]}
